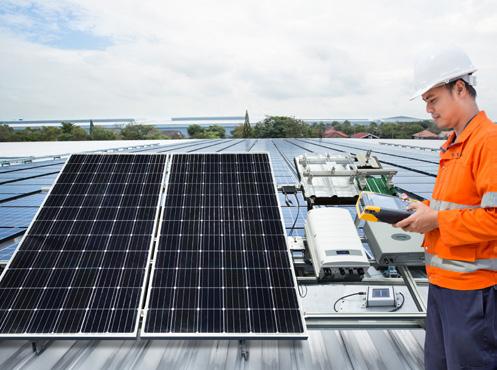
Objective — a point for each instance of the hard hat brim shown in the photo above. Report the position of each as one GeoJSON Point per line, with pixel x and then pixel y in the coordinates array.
{"type": "Point", "coordinates": [446, 80]}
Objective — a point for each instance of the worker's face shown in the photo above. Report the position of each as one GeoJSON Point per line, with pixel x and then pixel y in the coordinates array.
{"type": "Point", "coordinates": [442, 105]}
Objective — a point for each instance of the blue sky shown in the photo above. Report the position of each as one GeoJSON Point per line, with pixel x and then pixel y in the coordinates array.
{"type": "Point", "coordinates": [162, 58]}
{"type": "Point", "coordinates": [58, 29]}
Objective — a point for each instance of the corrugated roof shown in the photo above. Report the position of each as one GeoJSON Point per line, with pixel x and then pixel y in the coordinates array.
{"type": "Point", "coordinates": [325, 349]}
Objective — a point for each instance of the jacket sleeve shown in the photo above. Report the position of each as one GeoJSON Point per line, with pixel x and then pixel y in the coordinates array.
{"type": "Point", "coordinates": [468, 226]}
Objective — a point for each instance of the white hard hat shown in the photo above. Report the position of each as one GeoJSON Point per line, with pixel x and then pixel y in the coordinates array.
{"type": "Point", "coordinates": [440, 66]}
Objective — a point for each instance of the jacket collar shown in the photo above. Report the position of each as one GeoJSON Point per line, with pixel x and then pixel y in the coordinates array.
{"type": "Point", "coordinates": [471, 126]}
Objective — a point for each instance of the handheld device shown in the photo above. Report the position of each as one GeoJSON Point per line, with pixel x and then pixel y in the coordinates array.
{"type": "Point", "coordinates": [381, 207]}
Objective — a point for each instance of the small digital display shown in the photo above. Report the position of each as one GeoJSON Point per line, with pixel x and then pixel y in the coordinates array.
{"type": "Point", "coordinates": [384, 201]}
{"type": "Point", "coordinates": [343, 252]}
{"type": "Point", "coordinates": [381, 293]}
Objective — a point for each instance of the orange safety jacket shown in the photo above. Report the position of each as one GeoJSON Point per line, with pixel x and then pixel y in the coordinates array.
{"type": "Point", "coordinates": [462, 253]}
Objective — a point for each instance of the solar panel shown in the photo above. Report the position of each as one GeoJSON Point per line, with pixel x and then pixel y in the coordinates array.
{"type": "Point", "coordinates": [221, 266]}
{"type": "Point", "coordinates": [81, 268]}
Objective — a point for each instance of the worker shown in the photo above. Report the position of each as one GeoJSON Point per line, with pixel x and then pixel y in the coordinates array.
{"type": "Point", "coordinates": [460, 222]}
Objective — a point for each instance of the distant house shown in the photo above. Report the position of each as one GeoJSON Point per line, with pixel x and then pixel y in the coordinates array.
{"type": "Point", "coordinates": [173, 134]}
{"type": "Point", "coordinates": [425, 134]}
{"type": "Point", "coordinates": [332, 133]}
{"type": "Point", "coordinates": [364, 135]}
{"type": "Point", "coordinates": [444, 134]}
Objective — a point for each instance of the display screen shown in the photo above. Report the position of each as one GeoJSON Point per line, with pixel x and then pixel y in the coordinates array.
{"type": "Point", "coordinates": [381, 293]}
{"type": "Point", "coordinates": [384, 201]}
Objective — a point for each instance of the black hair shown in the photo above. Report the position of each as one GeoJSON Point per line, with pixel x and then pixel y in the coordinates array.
{"type": "Point", "coordinates": [471, 89]}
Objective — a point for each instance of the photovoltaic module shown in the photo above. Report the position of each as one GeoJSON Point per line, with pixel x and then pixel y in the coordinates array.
{"type": "Point", "coordinates": [193, 241]}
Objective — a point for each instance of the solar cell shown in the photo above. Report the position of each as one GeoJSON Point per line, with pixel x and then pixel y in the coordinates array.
{"type": "Point", "coordinates": [81, 267]}
{"type": "Point", "coordinates": [221, 265]}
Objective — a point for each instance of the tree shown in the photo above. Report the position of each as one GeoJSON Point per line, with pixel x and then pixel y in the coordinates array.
{"type": "Point", "coordinates": [239, 132]}
{"type": "Point", "coordinates": [211, 132]}
{"type": "Point", "coordinates": [100, 133]}
{"type": "Point", "coordinates": [216, 131]}
{"type": "Point", "coordinates": [280, 126]}
{"type": "Point", "coordinates": [92, 127]}
{"type": "Point", "coordinates": [246, 130]}
{"type": "Point", "coordinates": [140, 132]}
{"type": "Point", "coordinates": [7, 133]}
{"type": "Point", "coordinates": [49, 133]}
{"type": "Point", "coordinates": [71, 132]}
{"type": "Point", "coordinates": [195, 130]}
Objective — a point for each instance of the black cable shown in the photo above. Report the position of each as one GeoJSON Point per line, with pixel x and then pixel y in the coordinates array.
{"type": "Point", "coordinates": [296, 217]}
{"type": "Point", "coordinates": [399, 306]}
{"type": "Point", "coordinates": [346, 296]}
{"type": "Point", "coordinates": [288, 202]}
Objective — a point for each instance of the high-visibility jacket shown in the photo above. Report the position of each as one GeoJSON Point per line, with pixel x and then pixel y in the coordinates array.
{"type": "Point", "coordinates": [462, 252]}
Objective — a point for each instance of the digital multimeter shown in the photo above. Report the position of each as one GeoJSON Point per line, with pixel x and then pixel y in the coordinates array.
{"type": "Point", "coordinates": [381, 207]}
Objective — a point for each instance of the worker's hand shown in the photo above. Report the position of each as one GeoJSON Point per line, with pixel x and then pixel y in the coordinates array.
{"type": "Point", "coordinates": [424, 219]}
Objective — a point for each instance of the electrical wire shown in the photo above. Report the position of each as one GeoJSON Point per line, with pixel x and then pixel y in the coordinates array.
{"type": "Point", "coordinates": [401, 304]}
{"type": "Point", "coordinates": [302, 290]}
{"type": "Point", "coordinates": [296, 217]}
{"type": "Point", "coordinates": [346, 296]}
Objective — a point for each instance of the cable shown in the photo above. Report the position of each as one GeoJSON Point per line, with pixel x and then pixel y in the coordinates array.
{"type": "Point", "coordinates": [303, 292]}
{"type": "Point", "coordinates": [297, 216]}
{"type": "Point", "coordinates": [346, 296]}
{"type": "Point", "coordinates": [399, 306]}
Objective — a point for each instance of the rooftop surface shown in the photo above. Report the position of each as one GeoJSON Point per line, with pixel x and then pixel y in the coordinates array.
{"type": "Point", "coordinates": [22, 188]}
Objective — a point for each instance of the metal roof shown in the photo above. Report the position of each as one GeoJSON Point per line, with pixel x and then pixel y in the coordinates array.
{"type": "Point", "coordinates": [327, 349]}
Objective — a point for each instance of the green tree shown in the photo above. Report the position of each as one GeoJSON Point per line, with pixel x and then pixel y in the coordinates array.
{"type": "Point", "coordinates": [280, 126]}
{"type": "Point", "coordinates": [71, 132]}
{"type": "Point", "coordinates": [211, 132]}
{"type": "Point", "coordinates": [140, 132]}
{"type": "Point", "coordinates": [49, 133]}
{"type": "Point", "coordinates": [247, 129]}
{"type": "Point", "coordinates": [7, 133]}
{"type": "Point", "coordinates": [216, 131]}
{"type": "Point", "coordinates": [241, 131]}
{"type": "Point", "coordinates": [100, 133]}
{"type": "Point", "coordinates": [195, 130]}
{"type": "Point", "coordinates": [92, 127]}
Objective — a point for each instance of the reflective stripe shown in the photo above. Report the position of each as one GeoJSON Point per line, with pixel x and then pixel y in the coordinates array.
{"type": "Point", "coordinates": [489, 200]}
{"type": "Point", "coordinates": [442, 205]}
{"type": "Point", "coordinates": [461, 266]}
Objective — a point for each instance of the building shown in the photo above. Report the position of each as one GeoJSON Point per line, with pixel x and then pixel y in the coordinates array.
{"type": "Point", "coordinates": [399, 119]}
{"type": "Point", "coordinates": [173, 134]}
{"type": "Point", "coordinates": [334, 134]}
{"type": "Point", "coordinates": [444, 134]}
{"type": "Point", "coordinates": [102, 122]}
{"type": "Point", "coordinates": [364, 135]}
{"type": "Point", "coordinates": [424, 135]}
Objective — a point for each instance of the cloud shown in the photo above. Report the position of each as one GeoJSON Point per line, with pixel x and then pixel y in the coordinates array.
{"type": "Point", "coordinates": [159, 59]}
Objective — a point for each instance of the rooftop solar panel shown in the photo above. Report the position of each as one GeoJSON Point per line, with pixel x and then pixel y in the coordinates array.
{"type": "Point", "coordinates": [221, 266]}
{"type": "Point", "coordinates": [80, 269]}
{"type": "Point", "coordinates": [7, 233]}
{"type": "Point", "coordinates": [6, 251]}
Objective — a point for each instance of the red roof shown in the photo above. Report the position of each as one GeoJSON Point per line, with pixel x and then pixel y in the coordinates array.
{"type": "Point", "coordinates": [332, 133]}
{"type": "Point", "coordinates": [425, 134]}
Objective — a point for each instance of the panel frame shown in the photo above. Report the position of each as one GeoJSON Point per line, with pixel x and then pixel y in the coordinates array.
{"type": "Point", "coordinates": [88, 336]}
{"type": "Point", "coordinates": [226, 336]}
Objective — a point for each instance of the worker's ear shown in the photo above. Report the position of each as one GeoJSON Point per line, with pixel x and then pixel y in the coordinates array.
{"type": "Point", "coordinates": [460, 88]}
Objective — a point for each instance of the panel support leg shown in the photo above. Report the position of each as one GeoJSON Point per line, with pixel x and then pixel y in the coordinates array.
{"type": "Point", "coordinates": [244, 352]}
{"type": "Point", "coordinates": [39, 346]}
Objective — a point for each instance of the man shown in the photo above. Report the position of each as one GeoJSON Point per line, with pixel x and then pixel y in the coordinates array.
{"type": "Point", "coordinates": [460, 222]}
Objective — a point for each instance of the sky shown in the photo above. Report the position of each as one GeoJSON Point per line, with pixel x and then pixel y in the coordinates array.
{"type": "Point", "coordinates": [157, 59]}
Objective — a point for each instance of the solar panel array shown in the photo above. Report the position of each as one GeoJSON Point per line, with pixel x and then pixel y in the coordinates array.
{"type": "Point", "coordinates": [81, 268]}
{"type": "Point", "coordinates": [222, 266]}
